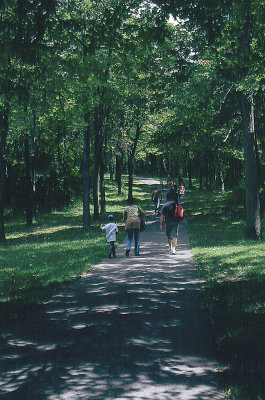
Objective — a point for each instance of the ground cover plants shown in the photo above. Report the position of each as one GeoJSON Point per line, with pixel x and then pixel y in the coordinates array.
{"type": "Point", "coordinates": [38, 260]}
{"type": "Point", "coordinates": [232, 272]}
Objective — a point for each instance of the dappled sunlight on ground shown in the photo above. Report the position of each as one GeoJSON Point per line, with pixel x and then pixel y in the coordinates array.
{"type": "Point", "coordinates": [131, 329]}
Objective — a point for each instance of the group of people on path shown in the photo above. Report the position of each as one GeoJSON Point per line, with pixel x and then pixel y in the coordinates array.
{"type": "Point", "coordinates": [134, 214]}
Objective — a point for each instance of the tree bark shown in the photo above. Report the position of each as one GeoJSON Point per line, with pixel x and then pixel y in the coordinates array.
{"type": "Point", "coordinates": [118, 171]}
{"type": "Point", "coordinates": [131, 161]}
{"type": "Point", "coordinates": [97, 155]}
{"type": "Point", "coordinates": [29, 195]}
{"type": "Point", "coordinates": [253, 220]}
{"type": "Point", "coordinates": [86, 177]}
{"type": "Point", "coordinates": [3, 137]}
{"type": "Point", "coordinates": [32, 166]}
{"type": "Point", "coordinates": [221, 176]}
{"type": "Point", "coordinates": [102, 179]}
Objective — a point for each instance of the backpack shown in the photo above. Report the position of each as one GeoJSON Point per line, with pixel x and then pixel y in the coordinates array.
{"type": "Point", "coordinates": [176, 212]}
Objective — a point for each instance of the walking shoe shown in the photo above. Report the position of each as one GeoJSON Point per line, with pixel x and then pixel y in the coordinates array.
{"type": "Point", "coordinates": [137, 254]}
{"type": "Point", "coordinates": [174, 250]}
{"type": "Point", "coordinates": [127, 253]}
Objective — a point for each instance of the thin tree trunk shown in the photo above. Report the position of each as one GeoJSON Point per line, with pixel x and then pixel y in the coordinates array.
{"type": "Point", "coordinates": [253, 222]}
{"type": "Point", "coordinates": [130, 178]}
{"type": "Point", "coordinates": [86, 177]}
{"type": "Point", "coordinates": [97, 152]}
{"type": "Point", "coordinates": [200, 179]}
{"type": "Point", "coordinates": [118, 171]}
{"type": "Point", "coordinates": [102, 179]}
{"type": "Point", "coordinates": [131, 162]}
{"type": "Point", "coordinates": [29, 209]}
{"type": "Point", "coordinates": [189, 174]}
{"type": "Point", "coordinates": [3, 137]}
{"type": "Point", "coordinates": [222, 180]}
{"type": "Point", "coordinates": [32, 166]}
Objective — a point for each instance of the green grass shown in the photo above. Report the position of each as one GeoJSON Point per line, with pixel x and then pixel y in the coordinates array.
{"type": "Point", "coordinates": [36, 261]}
{"type": "Point", "coordinates": [232, 272]}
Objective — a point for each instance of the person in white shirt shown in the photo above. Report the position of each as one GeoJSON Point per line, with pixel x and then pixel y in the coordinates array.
{"type": "Point", "coordinates": [111, 230]}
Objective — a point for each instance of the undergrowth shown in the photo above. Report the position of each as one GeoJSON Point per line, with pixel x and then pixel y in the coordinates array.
{"type": "Point", "coordinates": [232, 271]}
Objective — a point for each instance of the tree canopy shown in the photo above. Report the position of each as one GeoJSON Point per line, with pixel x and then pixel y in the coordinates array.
{"type": "Point", "coordinates": [163, 88]}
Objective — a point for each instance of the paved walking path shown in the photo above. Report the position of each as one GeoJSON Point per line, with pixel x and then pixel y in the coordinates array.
{"type": "Point", "coordinates": [133, 328]}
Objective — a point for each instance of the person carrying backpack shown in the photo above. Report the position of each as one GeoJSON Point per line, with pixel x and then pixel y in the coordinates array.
{"type": "Point", "coordinates": [156, 197]}
{"type": "Point", "coordinates": [171, 214]}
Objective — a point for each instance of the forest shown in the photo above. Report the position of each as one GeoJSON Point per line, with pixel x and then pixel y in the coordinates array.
{"type": "Point", "coordinates": [91, 87]}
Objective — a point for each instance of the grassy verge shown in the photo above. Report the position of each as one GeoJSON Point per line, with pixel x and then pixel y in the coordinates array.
{"type": "Point", "coordinates": [38, 260]}
{"type": "Point", "coordinates": [232, 271]}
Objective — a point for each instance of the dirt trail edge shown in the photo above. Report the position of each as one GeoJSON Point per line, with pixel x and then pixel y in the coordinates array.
{"type": "Point", "coordinates": [133, 328]}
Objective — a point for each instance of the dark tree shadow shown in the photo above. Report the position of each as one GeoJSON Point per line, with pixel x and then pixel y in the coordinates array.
{"type": "Point", "coordinates": [133, 328]}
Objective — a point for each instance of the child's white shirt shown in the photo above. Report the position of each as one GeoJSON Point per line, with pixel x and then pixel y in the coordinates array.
{"type": "Point", "coordinates": [111, 230]}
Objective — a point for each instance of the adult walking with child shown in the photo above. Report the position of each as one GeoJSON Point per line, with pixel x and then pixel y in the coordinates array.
{"type": "Point", "coordinates": [133, 213]}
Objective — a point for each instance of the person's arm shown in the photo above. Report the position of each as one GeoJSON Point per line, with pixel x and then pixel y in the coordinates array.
{"type": "Point", "coordinates": [162, 222]}
{"type": "Point", "coordinates": [141, 210]}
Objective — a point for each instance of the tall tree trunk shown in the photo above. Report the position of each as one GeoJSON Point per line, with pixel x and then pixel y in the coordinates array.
{"type": "Point", "coordinates": [253, 221]}
{"type": "Point", "coordinates": [222, 180]}
{"type": "Point", "coordinates": [97, 156]}
{"type": "Point", "coordinates": [118, 171]}
{"type": "Point", "coordinates": [189, 169]}
{"type": "Point", "coordinates": [29, 209]}
{"type": "Point", "coordinates": [131, 161]}
{"type": "Point", "coordinates": [200, 178]}
{"type": "Point", "coordinates": [86, 177]}
{"type": "Point", "coordinates": [112, 165]}
{"type": "Point", "coordinates": [130, 177]}
{"type": "Point", "coordinates": [102, 179]}
{"type": "Point", "coordinates": [3, 137]}
{"type": "Point", "coordinates": [32, 166]}
{"type": "Point", "coordinates": [102, 188]}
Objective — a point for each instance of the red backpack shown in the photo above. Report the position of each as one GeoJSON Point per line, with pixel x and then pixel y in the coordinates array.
{"type": "Point", "coordinates": [176, 212]}
{"type": "Point", "coordinates": [179, 212]}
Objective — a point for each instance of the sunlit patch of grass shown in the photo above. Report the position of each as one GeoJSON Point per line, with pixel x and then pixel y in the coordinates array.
{"type": "Point", "coordinates": [218, 238]}
{"type": "Point", "coordinates": [56, 249]}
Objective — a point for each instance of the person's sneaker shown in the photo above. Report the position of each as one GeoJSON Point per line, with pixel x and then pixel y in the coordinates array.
{"type": "Point", "coordinates": [169, 250]}
{"type": "Point", "coordinates": [137, 254]}
{"type": "Point", "coordinates": [127, 253]}
{"type": "Point", "coordinates": [174, 250]}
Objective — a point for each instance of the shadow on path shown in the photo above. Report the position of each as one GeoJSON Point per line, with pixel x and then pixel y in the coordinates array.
{"type": "Point", "coordinates": [131, 329]}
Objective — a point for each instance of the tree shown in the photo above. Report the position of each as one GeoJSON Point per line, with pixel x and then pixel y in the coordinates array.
{"type": "Point", "coordinates": [23, 27]}
{"type": "Point", "coordinates": [231, 32]}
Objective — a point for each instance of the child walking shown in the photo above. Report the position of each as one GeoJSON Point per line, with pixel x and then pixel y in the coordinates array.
{"type": "Point", "coordinates": [111, 229]}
